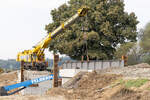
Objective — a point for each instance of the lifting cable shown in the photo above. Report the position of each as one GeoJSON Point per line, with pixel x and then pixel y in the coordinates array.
{"type": "Point", "coordinates": [85, 44]}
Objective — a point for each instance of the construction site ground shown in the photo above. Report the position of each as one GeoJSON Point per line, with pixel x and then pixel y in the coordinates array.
{"type": "Point", "coordinates": [128, 83]}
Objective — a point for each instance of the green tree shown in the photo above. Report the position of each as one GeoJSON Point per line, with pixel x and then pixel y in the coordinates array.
{"type": "Point", "coordinates": [125, 49]}
{"type": "Point", "coordinates": [106, 24]}
{"type": "Point", "coordinates": [145, 40]}
{"type": "Point", "coordinates": [144, 44]}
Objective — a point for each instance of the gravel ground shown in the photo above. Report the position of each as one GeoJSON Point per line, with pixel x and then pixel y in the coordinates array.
{"type": "Point", "coordinates": [130, 72]}
{"type": "Point", "coordinates": [32, 97]}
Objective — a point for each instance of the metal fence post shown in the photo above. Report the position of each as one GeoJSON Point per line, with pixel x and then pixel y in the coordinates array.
{"type": "Point", "coordinates": [110, 63]}
{"type": "Point", "coordinates": [87, 65]}
{"type": "Point", "coordinates": [76, 65]}
{"type": "Point", "coordinates": [66, 65]}
{"type": "Point", "coordinates": [102, 64]}
{"type": "Point", "coordinates": [119, 63]}
{"type": "Point", "coordinates": [81, 65]}
{"type": "Point", "coordinates": [95, 65]}
{"type": "Point", "coordinates": [71, 65]}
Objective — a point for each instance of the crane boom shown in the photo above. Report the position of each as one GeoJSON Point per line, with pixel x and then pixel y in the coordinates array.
{"type": "Point", "coordinates": [45, 42]}
{"type": "Point", "coordinates": [36, 55]}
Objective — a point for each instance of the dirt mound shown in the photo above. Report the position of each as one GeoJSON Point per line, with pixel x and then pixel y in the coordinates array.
{"type": "Point", "coordinates": [31, 97]}
{"type": "Point", "coordinates": [72, 83]}
{"type": "Point", "coordinates": [126, 94]}
{"type": "Point", "coordinates": [57, 91]}
{"type": "Point", "coordinates": [8, 78]}
{"type": "Point", "coordinates": [94, 80]}
{"type": "Point", "coordinates": [87, 88]}
{"type": "Point", "coordinates": [142, 65]}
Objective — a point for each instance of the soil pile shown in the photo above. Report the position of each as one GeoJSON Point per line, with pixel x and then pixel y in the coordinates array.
{"type": "Point", "coordinates": [127, 94]}
{"type": "Point", "coordinates": [72, 83]}
{"type": "Point", "coordinates": [142, 65]}
{"type": "Point", "coordinates": [8, 78]}
{"type": "Point", "coordinates": [31, 97]}
{"type": "Point", "coordinates": [87, 88]}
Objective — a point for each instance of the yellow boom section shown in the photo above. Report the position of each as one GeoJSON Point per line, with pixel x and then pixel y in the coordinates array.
{"type": "Point", "coordinates": [35, 53]}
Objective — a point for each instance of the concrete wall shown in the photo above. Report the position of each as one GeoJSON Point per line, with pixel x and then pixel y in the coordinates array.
{"type": "Point", "coordinates": [70, 69]}
{"type": "Point", "coordinates": [67, 74]}
{"type": "Point", "coordinates": [42, 87]}
{"type": "Point", "coordinates": [93, 65]}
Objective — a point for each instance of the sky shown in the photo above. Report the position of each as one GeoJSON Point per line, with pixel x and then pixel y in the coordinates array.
{"type": "Point", "coordinates": [22, 22]}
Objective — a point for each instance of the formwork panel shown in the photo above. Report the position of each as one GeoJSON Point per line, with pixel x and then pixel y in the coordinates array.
{"type": "Point", "coordinates": [41, 88]}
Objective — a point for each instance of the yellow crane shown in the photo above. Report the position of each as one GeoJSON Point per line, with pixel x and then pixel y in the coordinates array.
{"type": "Point", "coordinates": [35, 58]}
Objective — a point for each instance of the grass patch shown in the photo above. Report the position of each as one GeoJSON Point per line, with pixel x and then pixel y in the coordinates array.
{"type": "Point", "coordinates": [148, 88]}
{"type": "Point", "coordinates": [135, 83]}
{"type": "Point", "coordinates": [122, 82]}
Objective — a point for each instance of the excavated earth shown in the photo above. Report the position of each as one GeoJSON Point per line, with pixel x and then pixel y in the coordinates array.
{"type": "Point", "coordinates": [96, 85]}
{"type": "Point", "coordinates": [8, 78]}
{"type": "Point", "coordinates": [87, 88]}
{"type": "Point", "coordinates": [104, 85]}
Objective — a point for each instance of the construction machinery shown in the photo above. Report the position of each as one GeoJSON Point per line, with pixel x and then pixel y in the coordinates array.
{"type": "Point", "coordinates": [22, 85]}
{"type": "Point", "coordinates": [34, 59]}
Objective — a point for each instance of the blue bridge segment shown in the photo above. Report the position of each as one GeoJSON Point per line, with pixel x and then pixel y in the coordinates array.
{"type": "Point", "coordinates": [28, 82]}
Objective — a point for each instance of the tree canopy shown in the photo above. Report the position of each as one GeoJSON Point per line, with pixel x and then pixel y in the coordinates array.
{"type": "Point", "coordinates": [145, 40]}
{"type": "Point", "coordinates": [106, 25]}
{"type": "Point", "coordinates": [144, 44]}
{"type": "Point", "coordinates": [125, 49]}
